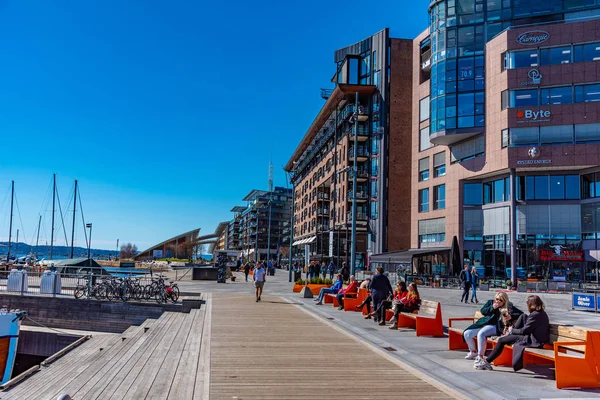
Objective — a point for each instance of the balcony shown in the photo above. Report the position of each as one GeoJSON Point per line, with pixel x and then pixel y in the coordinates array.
{"type": "Point", "coordinates": [361, 176]}
{"type": "Point", "coordinates": [362, 153]}
{"type": "Point", "coordinates": [323, 196]}
{"type": "Point", "coordinates": [323, 211]}
{"type": "Point", "coordinates": [362, 134]}
{"type": "Point", "coordinates": [361, 196]}
{"type": "Point", "coordinates": [360, 216]}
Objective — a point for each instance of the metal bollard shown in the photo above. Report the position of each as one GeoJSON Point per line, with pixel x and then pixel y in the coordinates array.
{"type": "Point", "coordinates": [22, 283]}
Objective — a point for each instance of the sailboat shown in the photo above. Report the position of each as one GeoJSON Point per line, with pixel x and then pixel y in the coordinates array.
{"type": "Point", "coordinates": [10, 325]}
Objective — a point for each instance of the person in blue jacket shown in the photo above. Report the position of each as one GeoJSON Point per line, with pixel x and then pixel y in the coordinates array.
{"type": "Point", "coordinates": [332, 290]}
{"type": "Point", "coordinates": [380, 288]}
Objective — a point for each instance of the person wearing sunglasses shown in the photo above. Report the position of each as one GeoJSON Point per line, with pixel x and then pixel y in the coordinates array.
{"type": "Point", "coordinates": [491, 324]}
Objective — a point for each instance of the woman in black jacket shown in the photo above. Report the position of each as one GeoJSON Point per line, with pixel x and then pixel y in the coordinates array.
{"type": "Point", "coordinates": [529, 331]}
{"type": "Point", "coordinates": [380, 288]}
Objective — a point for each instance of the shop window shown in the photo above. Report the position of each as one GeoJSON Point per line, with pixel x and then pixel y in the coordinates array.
{"type": "Point", "coordinates": [423, 200]}
{"type": "Point", "coordinates": [472, 194]}
{"type": "Point", "coordinates": [556, 55]}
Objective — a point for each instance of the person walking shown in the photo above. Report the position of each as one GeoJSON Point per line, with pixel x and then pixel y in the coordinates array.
{"type": "Point", "coordinates": [474, 284]}
{"type": "Point", "coordinates": [380, 289]}
{"type": "Point", "coordinates": [331, 269]}
{"type": "Point", "coordinates": [345, 272]}
{"type": "Point", "coordinates": [530, 331]}
{"type": "Point", "coordinates": [465, 283]}
{"type": "Point", "coordinates": [247, 268]}
{"type": "Point", "coordinates": [260, 277]}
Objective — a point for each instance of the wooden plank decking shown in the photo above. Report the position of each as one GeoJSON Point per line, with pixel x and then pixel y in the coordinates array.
{"type": "Point", "coordinates": [231, 348]}
{"type": "Point", "coordinates": [273, 350]}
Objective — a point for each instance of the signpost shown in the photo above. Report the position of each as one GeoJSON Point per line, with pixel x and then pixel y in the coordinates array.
{"type": "Point", "coordinates": [330, 244]}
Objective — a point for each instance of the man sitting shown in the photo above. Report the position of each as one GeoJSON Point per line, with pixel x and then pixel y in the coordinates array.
{"type": "Point", "coordinates": [351, 288]}
{"type": "Point", "coordinates": [332, 290]}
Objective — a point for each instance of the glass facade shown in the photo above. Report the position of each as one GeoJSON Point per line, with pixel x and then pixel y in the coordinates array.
{"type": "Point", "coordinates": [459, 30]}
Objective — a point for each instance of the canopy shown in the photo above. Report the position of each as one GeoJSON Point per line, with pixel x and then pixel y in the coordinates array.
{"type": "Point", "coordinates": [305, 241]}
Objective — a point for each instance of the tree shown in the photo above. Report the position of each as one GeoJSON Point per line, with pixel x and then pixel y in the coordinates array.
{"type": "Point", "coordinates": [128, 251]}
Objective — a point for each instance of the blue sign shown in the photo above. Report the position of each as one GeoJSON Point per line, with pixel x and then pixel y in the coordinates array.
{"type": "Point", "coordinates": [584, 301]}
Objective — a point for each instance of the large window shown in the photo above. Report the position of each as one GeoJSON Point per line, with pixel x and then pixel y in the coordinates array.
{"type": "Point", "coordinates": [554, 134]}
{"type": "Point", "coordinates": [472, 194]}
{"type": "Point", "coordinates": [439, 197]}
{"type": "Point", "coordinates": [587, 93]}
{"type": "Point", "coordinates": [586, 52]}
{"type": "Point", "coordinates": [423, 200]}
{"type": "Point", "coordinates": [522, 59]}
{"type": "Point", "coordinates": [496, 191]}
{"type": "Point", "coordinates": [524, 98]}
{"type": "Point", "coordinates": [557, 95]}
{"type": "Point", "coordinates": [424, 169]}
{"type": "Point", "coordinates": [439, 164]}
{"type": "Point", "coordinates": [553, 187]}
{"type": "Point", "coordinates": [590, 185]}
{"type": "Point", "coordinates": [424, 109]}
{"type": "Point", "coordinates": [556, 55]}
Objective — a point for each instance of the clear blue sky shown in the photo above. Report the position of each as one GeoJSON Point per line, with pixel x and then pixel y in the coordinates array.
{"type": "Point", "coordinates": [167, 112]}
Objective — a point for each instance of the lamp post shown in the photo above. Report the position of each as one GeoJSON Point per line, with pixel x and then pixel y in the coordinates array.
{"type": "Point", "coordinates": [269, 231]}
{"type": "Point", "coordinates": [354, 184]}
{"type": "Point", "coordinates": [89, 244]}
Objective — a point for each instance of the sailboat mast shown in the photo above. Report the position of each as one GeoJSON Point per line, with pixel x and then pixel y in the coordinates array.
{"type": "Point", "coordinates": [53, 207]}
{"type": "Point", "coordinates": [73, 228]}
{"type": "Point", "coordinates": [37, 240]}
{"type": "Point", "coordinates": [12, 199]}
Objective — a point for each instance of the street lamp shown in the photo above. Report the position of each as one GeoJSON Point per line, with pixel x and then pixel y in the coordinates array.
{"type": "Point", "coordinates": [89, 244]}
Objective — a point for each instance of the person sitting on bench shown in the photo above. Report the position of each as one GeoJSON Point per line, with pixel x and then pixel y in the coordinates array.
{"type": "Point", "coordinates": [351, 288]}
{"type": "Point", "coordinates": [531, 330]}
{"type": "Point", "coordinates": [408, 304]}
{"type": "Point", "coordinates": [332, 290]}
{"type": "Point", "coordinates": [367, 301]}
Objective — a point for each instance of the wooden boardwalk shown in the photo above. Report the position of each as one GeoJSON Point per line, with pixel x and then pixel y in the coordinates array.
{"type": "Point", "coordinates": [273, 350]}
{"type": "Point", "coordinates": [231, 348]}
{"type": "Point", "coordinates": [158, 360]}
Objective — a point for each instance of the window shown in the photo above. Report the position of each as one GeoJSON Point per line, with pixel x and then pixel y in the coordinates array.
{"type": "Point", "coordinates": [439, 197]}
{"type": "Point", "coordinates": [424, 142]}
{"type": "Point", "coordinates": [586, 52]}
{"type": "Point", "coordinates": [504, 100]}
{"type": "Point", "coordinates": [472, 194]}
{"type": "Point", "coordinates": [557, 187]}
{"type": "Point", "coordinates": [557, 95]}
{"type": "Point", "coordinates": [587, 93]}
{"type": "Point", "coordinates": [524, 98]}
{"type": "Point", "coordinates": [556, 134]}
{"type": "Point", "coordinates": [423, 200]}
{"type": "Point", "coordinates": [424, 109]}
{"type": "Point", "coordinates": [439, 164]}
{"type": "Point", "coordinates": [590, 187]}
{"type": "Point", "coordinates": [424, 169]}
{"type": "Point", "coordinates": [522, 59]}
{"type": "Point", "coordinates": [572, 190]}
{"type": "Point", "coordinates": [522, 136]}
{"type": "Point", "coordinates": [541, 188]}
{"type": "Point", "coordinates": [555, 55]}
{"type": "Point", "coordinates": [505, 138]}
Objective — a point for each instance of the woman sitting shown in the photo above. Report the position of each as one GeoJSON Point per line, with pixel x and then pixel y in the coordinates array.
{"type": "Point", "coordinates": [529, 331]}
{"type": "Point", "coordinates": [367, 301]}
{"type": "Point", "coordinates": [408, 304]}
{"type": "Point", "coordinates": [399, 294]}
{"type": "Point", "coordinates": [496, 314]}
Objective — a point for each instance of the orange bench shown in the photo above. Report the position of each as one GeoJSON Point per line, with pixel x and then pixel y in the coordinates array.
{"type": "Point", "coordinates": [427, 322]}
{"type": "Point", "coordinates": [579, 370]}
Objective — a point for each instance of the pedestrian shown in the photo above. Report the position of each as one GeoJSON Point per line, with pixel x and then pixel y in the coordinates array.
{"type": "Point", "coordinates": [311, 269]}
{"type": "Point", "coordinates": [465, 283]}
{"type": "Point", "coordinates": [345, 272]}
{"type": "Point", "coordinates": [331, 269]}
{"type": "Point", "coordinates": [380, 289]}
{"type": "Point", "coordinates": [323, 269]}
{"type": "Point", "coordinates": [247, 268]}
{"type": "Point", "coordinates": [529, 331]}
{"type": "Point", "coordinates": [260, 277]}
{"type": "Point", "coordinates": [474, 284]}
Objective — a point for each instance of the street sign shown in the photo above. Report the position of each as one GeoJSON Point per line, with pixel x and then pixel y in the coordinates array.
{"type": "Point", "coordinates": [584, 301]}
{"type": "Point", "coordinates": [331, 244]}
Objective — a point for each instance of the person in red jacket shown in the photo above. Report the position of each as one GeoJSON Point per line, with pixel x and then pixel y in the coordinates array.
{"type": "Point", "coordinates": [409, 303]}
{"type": "Point", "coordinates": [351, 288]}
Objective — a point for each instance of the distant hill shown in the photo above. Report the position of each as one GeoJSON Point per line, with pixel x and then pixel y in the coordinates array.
{"type": "Point", "coordinates": [59, 251]}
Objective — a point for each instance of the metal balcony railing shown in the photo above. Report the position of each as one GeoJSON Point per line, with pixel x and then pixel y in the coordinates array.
{"type": "Point", "coordinates": [360, 216]}
{"type": "Point", "coordinates": [360, 195]}
{"type": "Point", "coordinates": [361, 151]}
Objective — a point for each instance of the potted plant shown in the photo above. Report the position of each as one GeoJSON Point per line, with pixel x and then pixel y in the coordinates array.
{"type": "Point", "coordinates": [522, 286]}
{"type": "Point", "coordinates": [484, 286]}
{"type": "Point", "coordinates": [298, 285]}
{"type": "Point", "coordinates": [316, 284]}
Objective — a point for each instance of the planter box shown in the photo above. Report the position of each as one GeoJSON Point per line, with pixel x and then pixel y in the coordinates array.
{"type": "Point", "coordinates": [522, 288]}
{"type": "Point", "coordinates": [484, 287]}
{"type": "Point", "coordinates": [315, 289]}
{"type": "Point", "coordinates": [297, 288]}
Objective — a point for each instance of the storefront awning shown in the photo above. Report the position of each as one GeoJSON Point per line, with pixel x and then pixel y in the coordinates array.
{"type": "Point", "coordinates": [400, 257]}
{"type": "Point", "coordinates": [305, 241]}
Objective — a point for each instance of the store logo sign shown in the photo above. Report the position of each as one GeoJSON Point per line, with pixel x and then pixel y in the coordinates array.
{"type": "Point", "coordinates": [534, 154]}
{"type": "Point", "coordinates": [533, 38]}
{"type": "Point", "coordinates": [535, 78]}
{"type": "Point", "coordinates": [534, 116]}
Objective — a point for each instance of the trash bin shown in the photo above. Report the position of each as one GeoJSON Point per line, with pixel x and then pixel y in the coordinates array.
{"type": "Point", "coordinates": [50, 283]}
{"type": "Point", "coordinates": [17, 281]}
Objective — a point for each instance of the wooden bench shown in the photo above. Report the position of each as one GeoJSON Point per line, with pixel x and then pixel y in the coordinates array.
{"type": "Point", "coordinates": [571, 370]}
{"type": "Point", "coordinates": [427, 322]}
